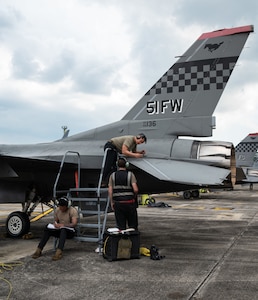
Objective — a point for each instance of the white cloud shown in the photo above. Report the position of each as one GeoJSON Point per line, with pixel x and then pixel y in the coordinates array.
{"type": "Point", "coordinates": [5, 64]}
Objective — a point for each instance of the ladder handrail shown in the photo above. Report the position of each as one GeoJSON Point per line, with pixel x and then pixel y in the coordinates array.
{"type": "Point", "coordinates": [102, 170]}
{"type": "Point", "coordinates": [101, 214]}
{"type": "Point", "coordinates": [61, 167]}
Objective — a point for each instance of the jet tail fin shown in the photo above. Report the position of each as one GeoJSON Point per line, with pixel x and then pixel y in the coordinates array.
{"type": "Point", "coordinates": [246, 150]}
{"type": "Point", "coordinates": [183, 100]}
{"type": "Point", "coordinates": [247, 159]}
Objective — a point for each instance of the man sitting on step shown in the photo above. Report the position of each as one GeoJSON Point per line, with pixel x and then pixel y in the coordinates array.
{"type": "Point", "coordinates": [66, 218]}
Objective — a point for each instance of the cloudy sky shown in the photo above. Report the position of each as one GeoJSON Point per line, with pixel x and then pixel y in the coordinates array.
{"type": "Point", "coordinates": [84, 63]}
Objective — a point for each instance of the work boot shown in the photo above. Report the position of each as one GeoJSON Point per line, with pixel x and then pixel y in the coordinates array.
{"type": "Point", "coordinates": [58, 255]}
{"type": "Point", "coordinates": [37, 253]}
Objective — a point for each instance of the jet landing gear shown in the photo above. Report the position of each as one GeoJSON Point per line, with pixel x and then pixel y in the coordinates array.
{"type": "Point", "coordinates": [17, 224]}
{"type": "Point", "coordinates": [191, 194]}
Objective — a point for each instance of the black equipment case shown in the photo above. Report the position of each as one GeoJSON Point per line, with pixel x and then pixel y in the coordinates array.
{"type": "Point", "coordinates": [121, 245]}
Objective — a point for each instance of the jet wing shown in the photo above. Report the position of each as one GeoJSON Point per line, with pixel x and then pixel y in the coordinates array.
{"type": "Point", "coordinates": [181, 171]}
{"type": "Point", "coordinates": [12, 166]}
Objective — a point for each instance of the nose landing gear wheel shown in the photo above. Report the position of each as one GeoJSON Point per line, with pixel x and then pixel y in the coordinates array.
{"type": "Point", "coordinates": [17, 224]}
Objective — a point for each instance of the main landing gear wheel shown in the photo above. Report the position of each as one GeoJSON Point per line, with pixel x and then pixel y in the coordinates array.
{"type": "Point", "coordinates": [188, 194]}
{"type": "Point", "coordinates": [17, 224]}
{"type": "Point", "coordinates": [195, 194]}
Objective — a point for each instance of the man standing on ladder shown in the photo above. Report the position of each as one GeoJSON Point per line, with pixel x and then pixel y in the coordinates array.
{"type": "Point", "coordinates": [126, 145]}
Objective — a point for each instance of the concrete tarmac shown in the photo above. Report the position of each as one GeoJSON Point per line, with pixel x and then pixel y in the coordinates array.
{"type": "Point", "coordinates": [210, 247]}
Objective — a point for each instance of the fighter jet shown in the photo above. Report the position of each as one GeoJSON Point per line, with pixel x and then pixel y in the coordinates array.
{"type": "Point", "coordinates": [180, 104]}
{"type": "Point", "coordinates": [247, 160]}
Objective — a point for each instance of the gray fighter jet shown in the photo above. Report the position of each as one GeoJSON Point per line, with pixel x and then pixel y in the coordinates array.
{"type": "Point", "coordinates": [179, 104]}
{"type": "Point", "coordinates": [247, 160]}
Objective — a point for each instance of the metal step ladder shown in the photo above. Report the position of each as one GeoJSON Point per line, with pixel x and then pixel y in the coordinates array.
{"type": "Point", "coordinates": [92, 205]}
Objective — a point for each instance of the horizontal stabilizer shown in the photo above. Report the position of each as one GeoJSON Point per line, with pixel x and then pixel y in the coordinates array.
{"type": "Point", "coordinates": [181, 171]}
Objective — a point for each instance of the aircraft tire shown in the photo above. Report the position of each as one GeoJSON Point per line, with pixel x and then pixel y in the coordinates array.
{"type": "Point", "coordinates": [17, 224]}
{"type": "Point", "coordinates": [187, 194]}
{"type": "Point", "coordinates": [195, 194]}
{"type": "Point", "coordinates": [149, 200]}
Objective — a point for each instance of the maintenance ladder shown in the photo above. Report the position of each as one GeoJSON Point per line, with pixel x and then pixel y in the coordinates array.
{"type": "Point", "coordinates": [92, 204]}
